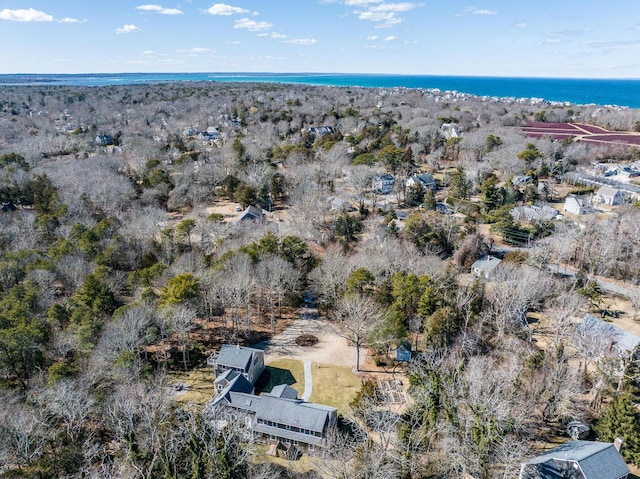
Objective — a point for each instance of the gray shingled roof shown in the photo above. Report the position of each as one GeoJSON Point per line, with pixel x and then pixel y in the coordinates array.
{"type": "Point", "coordinates": [621, 340]}
{"type": "Point", "coordinates": [237, 384]}
{"type": "Point", "coordinates": [235, 356]}
{"type": "Point", "coordinates": [486, 265]}
{"type": "Point", "coordinates": [283, 391]}
{"type": "Point", "coordinates": [597, 460]}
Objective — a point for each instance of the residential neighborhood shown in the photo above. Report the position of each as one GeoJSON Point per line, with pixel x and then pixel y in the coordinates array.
{"type": "Point", "coordinates": [266, 280]}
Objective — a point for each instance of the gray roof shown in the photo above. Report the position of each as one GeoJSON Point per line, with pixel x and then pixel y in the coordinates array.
{"type": "Point", "coordinates": [236, 356]}
{"type": "Point", "coordinates": [237, 384]}
{"type": "Point", "coordinates": [486, 265]}
{"type": "Point", "coordinates": [292, 412]}
{"type": "Point", "coordinates": [533, 212]}
{"type": "Point", "coordinates": [251, 213]}
{"type": "Point", "coordinates": [597, 460]}
{"type": "Point", "coordinates": [608, 191]}
{"type": "Point", "coordinates": [283, 391]}
{"type": "Point", "coordinates": [621, 340]}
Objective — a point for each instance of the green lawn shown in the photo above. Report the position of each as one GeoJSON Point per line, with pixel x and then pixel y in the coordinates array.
{"type": "Point", "coordinates": [334, 386]}
{"type": "Point", "coordinates": [282, 371]}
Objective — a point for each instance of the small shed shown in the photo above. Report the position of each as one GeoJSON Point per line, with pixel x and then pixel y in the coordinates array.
{"type": "Point", "coordinates": [403, 352]}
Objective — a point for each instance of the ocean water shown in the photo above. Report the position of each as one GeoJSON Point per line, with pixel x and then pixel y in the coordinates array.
{"type": "Point", "coordinates": [576, 91]}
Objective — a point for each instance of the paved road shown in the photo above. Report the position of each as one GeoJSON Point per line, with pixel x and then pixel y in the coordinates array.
{"type": "Point", "coordinates": [606, 285]}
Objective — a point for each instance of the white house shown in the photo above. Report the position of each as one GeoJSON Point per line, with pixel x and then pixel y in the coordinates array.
{"type": "Point", "coordinates": [383, 184]}
{"type": "Point", "coordinates": [578, 204]}
{"type": "Point", "coordinates": [425, 181]}
{"type": "Point", "coordinates": [608, 195]}
{"type": "Point", "coordinates": [485, 266]}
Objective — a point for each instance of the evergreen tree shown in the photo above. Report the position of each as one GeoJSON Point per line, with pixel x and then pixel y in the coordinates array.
{"type": "Point", "coordinates": [622, 419]}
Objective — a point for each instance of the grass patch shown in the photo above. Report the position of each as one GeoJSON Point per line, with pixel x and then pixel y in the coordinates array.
{"type": "Point", "coordinates": [334, 386]}
{"type": "Point", "coordinates": [199, 382]}
{"type": "Point", "coordinates": [282, 371]}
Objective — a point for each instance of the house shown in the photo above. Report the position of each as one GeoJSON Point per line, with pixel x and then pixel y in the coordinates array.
{"type": "Point", "coordinates": [383, 184]}
{"type": "Point", "coordinates": [521, 180]}
{"type": "Point", "coordinates": [104, 140]}
{"type": "Point", "coordinates": [485, 266]}
{"type": "Point", "coordinates": [248, 362]}
{"type": "Point", "coordinates": [276, 416]}
{"type": "Point", "coordinates": [403, 352]}
{"type": "Point", "coordinates": [190, 132]}
{"type": "Point", "coordinates": [578, 204]}
{"type": "Point", "coordinates": [605, 339]}
{"type": "Point", "coordinates": [425, 181]}
{"type": "Point", "coordinates": [451, 130]}
{"type": "Point", "coordinates": [609, 195]}
{"type": "Point", "coordinates": [578, 460]}
{"type": "Point", "coordinates": [320, 131]}
{"type": "Point", "coordinates": [533, 213]}
{"type": "Point", "coordinates": [7, 207]}
{"type": "Point", "coordinates": [251, 213]}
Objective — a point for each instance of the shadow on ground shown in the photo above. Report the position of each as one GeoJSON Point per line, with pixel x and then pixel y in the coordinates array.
{"type": "Point", "coordinates": [273, 377]}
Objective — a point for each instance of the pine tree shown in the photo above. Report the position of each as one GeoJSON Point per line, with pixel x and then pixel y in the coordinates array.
{"type": "Point", "coordinates": [622, 420]}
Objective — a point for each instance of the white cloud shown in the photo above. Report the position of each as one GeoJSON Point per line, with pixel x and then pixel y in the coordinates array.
{"type": "Point", "coordinates": [71, 20]}
{"type": "Point", "coordinates": [224, 9]}
{"type": "Point", "coordinates": [21, 15]}
{"type": "Point", "coordinates": [359, 3]}
{"type": "Point", "coordinates": [385, 18]}
{"type": "Point", "coordinates": [302, 41]}
{"type": "Point", "coordinates": [480, 11]}
{"type": "Point", "coordinates": [393, 7]}
{"type": "Point", "coordinates": [372, 37]}
{"type": "Point", "coordinates": [196, 50]}
{"type": "Point", "coordinates": [278, 36]}
{"type": "Point", "coordinates": [390, 38]}
{"type": "Point", "coordinates": [127, 29]}
{"type": "Point", "coordinates": [521, 25]}
{"type": "Point", "coordinates": [384, 14]}
{"type": "Point", "coordinates": [159, 9]}
{"type": "Point", "coordinates": [148, 52]}
{"type": "Point", "coordinates": [252, 25]}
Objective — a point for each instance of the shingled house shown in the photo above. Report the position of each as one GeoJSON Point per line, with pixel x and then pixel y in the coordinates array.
{"type": "Point", "coordinates": [578, 460]}
{"type": "Point", "coordinates": [277, 416]}
{"type": "Point", "coordinates": [248, 362]}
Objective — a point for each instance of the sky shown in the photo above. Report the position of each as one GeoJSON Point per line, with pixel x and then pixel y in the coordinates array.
{"type": "Point", "coordinates": [513, 38]}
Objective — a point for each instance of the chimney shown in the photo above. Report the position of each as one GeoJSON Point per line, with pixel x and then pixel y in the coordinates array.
{"type": "Point", "coordinates": [617, 443]}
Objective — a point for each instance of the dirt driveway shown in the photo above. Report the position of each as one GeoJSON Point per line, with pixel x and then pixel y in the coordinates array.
{"type": "Point", "coordinates": [330, 348]}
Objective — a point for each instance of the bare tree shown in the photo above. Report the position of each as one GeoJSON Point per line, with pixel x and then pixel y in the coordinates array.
{"type": "Point", "coordinates": [355, 318]}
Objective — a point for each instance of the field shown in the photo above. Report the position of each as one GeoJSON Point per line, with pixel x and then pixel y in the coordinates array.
{"type": "Point", "coordinates": [580, 132]}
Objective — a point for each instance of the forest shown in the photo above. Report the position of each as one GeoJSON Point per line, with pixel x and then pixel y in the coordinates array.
{"type": "Point", "coordinates": [122, 262]}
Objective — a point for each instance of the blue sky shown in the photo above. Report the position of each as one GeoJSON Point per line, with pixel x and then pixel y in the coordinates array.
{"type": "Point", "coordinates": [542, 38]}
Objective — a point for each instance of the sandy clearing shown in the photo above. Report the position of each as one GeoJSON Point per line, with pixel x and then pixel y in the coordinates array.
{"type": "Point", "coordinates": [330, 348]}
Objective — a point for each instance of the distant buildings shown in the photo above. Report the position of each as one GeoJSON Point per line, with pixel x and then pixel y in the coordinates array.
{"type": "Point", "coordinates": [485, 266]}
{"type": "Point", "coordinates": [383, 184]}
{"type": "Point", "coordinates": [578, 204]}
{"type": "Point", "coordinates": [424, 180]}
{"type": "Point", "coordinates": [533, 213]}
